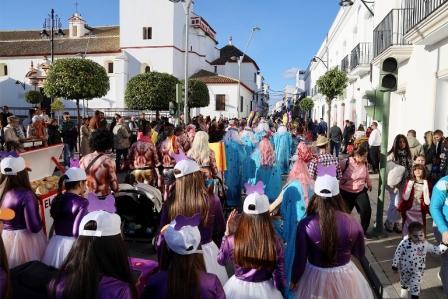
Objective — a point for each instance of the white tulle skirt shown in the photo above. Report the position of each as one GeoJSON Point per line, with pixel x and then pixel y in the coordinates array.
{"type": "Point", "coordinates": [57, 250]}
{"type": "Point", "coordinates": [23, 246]}
{"type": "Point", "coordinates": [210, 253]}
{"type": "Point", "coordinates": [344, 282]}
{"type": "Point", "coordinates": [239, 289]}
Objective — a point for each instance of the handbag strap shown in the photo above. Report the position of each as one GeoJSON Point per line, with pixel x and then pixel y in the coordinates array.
{"type": "Point", "coordinates": [92, 162]}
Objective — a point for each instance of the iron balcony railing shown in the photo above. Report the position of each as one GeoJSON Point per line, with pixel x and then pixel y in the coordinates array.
{"type": "Point", "coordinates": [345, 63]}
{"type": "Point", "coordinates": [390, 32]}
{"type": "Point", "coordinates": [361, 55]}
{"type": "Point", "coordinates": [418, 10]}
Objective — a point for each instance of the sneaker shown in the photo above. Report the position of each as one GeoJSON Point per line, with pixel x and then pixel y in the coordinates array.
{"type": "Point", "coordinates": [388, 227]}
{"type": "Point", "coordinates": [404, 293]}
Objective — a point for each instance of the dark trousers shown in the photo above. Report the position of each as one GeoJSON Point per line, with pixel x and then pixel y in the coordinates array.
{"type": "Point", "coordinates": [361, 202]}
{"type": "Point", "coordinates": [374, 154]}
{"type": "Point", "coordinates": [119, 153]}
{"type": "Point", "coordinates": [335, 146]}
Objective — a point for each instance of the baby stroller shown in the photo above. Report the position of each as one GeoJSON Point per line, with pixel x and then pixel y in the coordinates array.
{"type": "Point", "coordinates": [139, 207]}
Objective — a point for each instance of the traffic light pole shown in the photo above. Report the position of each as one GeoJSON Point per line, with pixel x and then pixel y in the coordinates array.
{"type": "Point", "coordinates": [383, 160]}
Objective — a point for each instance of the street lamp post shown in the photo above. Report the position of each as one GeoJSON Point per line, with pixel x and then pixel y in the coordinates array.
{"type": "Point", "coordinates": [240, 60]}
{"type": "Point", "coordinates": [316, 59]}
{"type": "Point", "coordinates": [344, 3]}
{"type": "Point", "coordinates": [187, 7]}
{"type": "Point", "coordinates": [53, 24]}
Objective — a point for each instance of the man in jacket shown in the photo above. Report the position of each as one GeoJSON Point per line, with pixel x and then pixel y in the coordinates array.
{"type": "Point", "coordinates": [335, 139]}
{"type": "Point", "coordinates": [415, 146]}
{"type": "Point", "coordinates": [69, 134]}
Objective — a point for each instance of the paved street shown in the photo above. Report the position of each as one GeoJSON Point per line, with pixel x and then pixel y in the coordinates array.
{"type": "Point", "coordinates": [380, 252]}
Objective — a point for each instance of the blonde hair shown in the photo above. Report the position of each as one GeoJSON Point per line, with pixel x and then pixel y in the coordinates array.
{"type": "Point", "coordinates": [200, 150]}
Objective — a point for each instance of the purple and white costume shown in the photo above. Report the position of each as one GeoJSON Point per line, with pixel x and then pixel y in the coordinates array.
{"type": "Point", "coordinates": [215, 225]}
{"type": "Point", "coordinates": [157, 285]}
{"type": "Point", "coordinates": [66, 225]}
{"type": "Point", "coordinates": [23, 236]}
{"type": "Point", "coordinates": [315, 278]}
{"type": "Point", "coordinates": [252, 283]}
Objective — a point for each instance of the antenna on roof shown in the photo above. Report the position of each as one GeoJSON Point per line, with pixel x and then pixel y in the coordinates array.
{"type": "Point", "coordinates": [230, 40]}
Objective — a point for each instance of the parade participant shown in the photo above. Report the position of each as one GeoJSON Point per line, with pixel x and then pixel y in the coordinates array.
{"type": "Point", "coordinates": [258, 261]}
{"type": "Point", "coordinates": [99, 166]}
{"type": "Point", "coordinates": [282, 143]}
{"type": "Point", "coordinates": [234, 161]}
{"type": "Point", "coordinates": [69, 135]}
{"type": "Point", "coordinates": [23, 236]}
{"type": "Point", "coordinates": [144, 160]}
{"type": "Point", "coordinates": [439, 213]}
{"type": "Point", "coordinates": [190, 131]}
{"type": "Point", "coordinates": [294, 199]}
{"type": "Point", "coordinates": [416, 198]}
{"type": "Point", "coordinates": [121, 142]}
{"type": "Point", "coordinates": [97, 266]}
{"type": "Point", "coordinates": [266, 169]}
{"type": "Point", "coordinates": [182, 139]}
{"type": "Point", "coordinates": [399, 154]}
{"type": "Point", "coordinates": [186, 276]}
{"type": "Point", "coordinates": [355, 183]}
{"type": "Point", "coordinates": [167, 147]}
{"type": "Point", "coordinates": [190, 197]}
{"type": "Point", "coordinates": [323, 158]}
{"type": "Point", "coordinates": [249, 144]}
{"type": "Point", "coordinates": [410, 259]}
{"type": "Point", "coordinates": [94, 123]}
{"type": "Point", "coordinates": [5, 284]}
{"type": "Point", "coordinates": [67, 210]}
{"type": "Point", "coordinates": [326, 240]}
{"type": "Point", "coordinates": [85, 134]}
{"type": "Point", "coordinates": [200, 152]}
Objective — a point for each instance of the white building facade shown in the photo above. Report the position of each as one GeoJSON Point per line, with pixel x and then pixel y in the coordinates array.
{"type": "Point", "coordinates": [150, 37]}
{"type": "Point", "coordinates": [414, 32]}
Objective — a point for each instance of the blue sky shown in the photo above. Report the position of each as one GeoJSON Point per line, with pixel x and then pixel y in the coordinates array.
{"type": "Point", "coordinates": [291, 30]}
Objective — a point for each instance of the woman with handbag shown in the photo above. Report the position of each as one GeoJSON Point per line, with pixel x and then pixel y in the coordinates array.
{"type": "Point", "coordinates": [355, 183]}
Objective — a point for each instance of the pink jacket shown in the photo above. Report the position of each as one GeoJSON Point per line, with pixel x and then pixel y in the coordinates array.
{"type": "Point", "coordinates": [355, 177]}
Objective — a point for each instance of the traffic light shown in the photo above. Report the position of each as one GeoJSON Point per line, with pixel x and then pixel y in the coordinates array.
{"type": "Point", "coordinates": [172, 108]}
{"type": "Point", "coordinates": [389, 74]}
{"type": "Point", "coordinates": [180, 92]}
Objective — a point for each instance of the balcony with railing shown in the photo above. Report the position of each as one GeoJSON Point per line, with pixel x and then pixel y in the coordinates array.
{"type": "Point", "coordinates": [360, 59]}
{"type": "Point", "coordinates": [345, 64]}
{"type": "Point", "coordinates": [388, 37]}
{"type": "Point", "coordinates": [425, 21]}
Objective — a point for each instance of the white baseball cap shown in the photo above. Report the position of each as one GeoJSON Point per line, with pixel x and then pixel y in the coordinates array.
{"type": "Point", "coordinates": [107, 224]}
{"type": "Point", "coordinates": [75, 174]}
{"type": "Point", "coordinates": [182, 235]}
{"type": "Point", "coordinates": [326, 186]}
{"type": "Point", "coordinates": [12, 165]}
{"type": "Point", "coordinates": [255, 204]}
{"type": "Point", "coordinates": [185, 167]}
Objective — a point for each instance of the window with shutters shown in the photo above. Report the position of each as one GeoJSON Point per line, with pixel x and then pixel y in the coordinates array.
{"type": "Point", "coordinates": [220, 102]}
{"type": "Point", "coordinates": [147, 32]}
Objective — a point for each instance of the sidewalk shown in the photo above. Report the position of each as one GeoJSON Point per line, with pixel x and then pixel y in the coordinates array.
{"type": "Point", "coordinates": [379, 253]}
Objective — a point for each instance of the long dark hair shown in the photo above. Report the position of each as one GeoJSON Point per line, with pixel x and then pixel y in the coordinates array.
{"type": "Point", "coordinates": [56, 204]}
{"type": "Point", "coordinates": [255, 242]}
{"type": "Point", "coordinates": [5, 267]}
{"type": "Point", "coordinates": [396, 146]}
{"type": "Point", "coordinates": [184, 276]}
{"type": "Point", "coordinates": [21, 181]}
{"type": "Point", "coordinates": [89, 259]}
{"type": "Point", "coordinates": [326, 209]}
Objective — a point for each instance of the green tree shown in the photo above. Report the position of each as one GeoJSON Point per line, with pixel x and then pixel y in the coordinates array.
{"type": "Point", "coordinates": [151, 91]}
{"type": "Point", "coordinates": [332, 84]}
{"type": "Point", "coordinates": [198, 95]}
{"type": "Point", "coordinates": [33, 97]}
{"type": "Point", "coordinates": [76, 79]}
{"type": "Point", "coordinates": [56, 107]}
{"type": "Point", "coordinates": [306, 105]}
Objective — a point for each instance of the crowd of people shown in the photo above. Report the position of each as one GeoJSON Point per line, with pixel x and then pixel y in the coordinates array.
{"type": "Point", "coordinates": [227, 211]}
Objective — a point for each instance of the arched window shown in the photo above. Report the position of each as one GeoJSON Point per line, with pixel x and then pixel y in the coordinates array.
{"type": "Point", "coordinates": [147, 69]}
{"type": "Point", "coordinates": [109, 66]}
{"type": "Point", "coordinates": [3, 70]}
